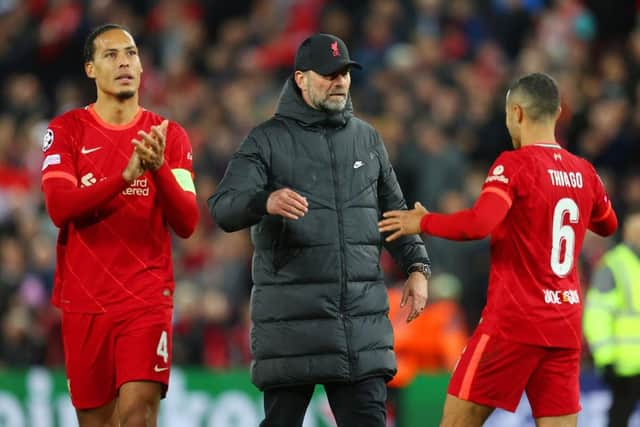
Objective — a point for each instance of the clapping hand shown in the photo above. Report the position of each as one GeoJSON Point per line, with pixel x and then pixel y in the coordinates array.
{"type": "Point", "coordinates": [134, 168]}
{"type": "Point", "coordinates": [150, 148]}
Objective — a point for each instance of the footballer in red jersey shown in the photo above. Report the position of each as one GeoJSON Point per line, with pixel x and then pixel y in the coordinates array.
{"type": "Point", "coordinates": [116, 179]}
{"type": "Point", "coordinates": [537, 203]}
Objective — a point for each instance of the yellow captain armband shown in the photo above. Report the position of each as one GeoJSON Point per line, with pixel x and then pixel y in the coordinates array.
{"type": "Point", "coordinates": [184, 179]}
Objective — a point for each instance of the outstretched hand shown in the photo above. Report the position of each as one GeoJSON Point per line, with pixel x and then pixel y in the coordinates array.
{"type": "Point", "coordinates": [402, 223]}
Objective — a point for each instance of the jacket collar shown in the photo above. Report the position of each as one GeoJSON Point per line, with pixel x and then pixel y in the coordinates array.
{"type": "Point", "coordinates": [292, 105]}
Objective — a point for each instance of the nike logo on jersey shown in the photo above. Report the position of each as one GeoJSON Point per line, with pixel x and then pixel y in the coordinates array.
{"type": "Point", "coordinates": [357, 164]}
{"type": "Point", "coordinates": [159, 369]}
{"type": "Point", "coordinates": [85, 150]}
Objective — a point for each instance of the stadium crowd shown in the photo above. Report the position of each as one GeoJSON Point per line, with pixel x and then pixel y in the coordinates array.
{"type": "Point", "coordinates": [433, 84]}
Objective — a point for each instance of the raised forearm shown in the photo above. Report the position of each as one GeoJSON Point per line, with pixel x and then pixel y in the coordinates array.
{"type": "Point", "coordinates": [178, 201]}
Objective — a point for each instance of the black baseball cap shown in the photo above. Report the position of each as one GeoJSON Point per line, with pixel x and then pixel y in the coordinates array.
{"type": "Point", "coordinates": [323, 53]}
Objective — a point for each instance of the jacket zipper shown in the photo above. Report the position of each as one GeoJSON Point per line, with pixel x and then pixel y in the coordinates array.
{"type": "Point", "coordinates": [343, 269]}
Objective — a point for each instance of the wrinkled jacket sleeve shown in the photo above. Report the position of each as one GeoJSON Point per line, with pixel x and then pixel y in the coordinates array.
{"type": "Point", "coordinates": [406, 250]}
{"type": "Point", "coordinates": [241, 197]}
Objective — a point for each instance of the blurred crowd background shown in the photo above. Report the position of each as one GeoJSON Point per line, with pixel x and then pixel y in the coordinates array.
{"type": "Point", "coordinates": [433, 85]}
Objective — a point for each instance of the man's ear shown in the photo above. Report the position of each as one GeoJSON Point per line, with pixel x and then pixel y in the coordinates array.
{"type": "Point", "coordinates": [88, 69]}
{"type": "Point", "coordinates": [299, 77]}
{"type": "Point", "coordinates": [519, 113]}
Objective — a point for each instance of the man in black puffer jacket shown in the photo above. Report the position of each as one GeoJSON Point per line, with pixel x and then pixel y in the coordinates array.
{"type": "Point", "coordinates": [312, 183]}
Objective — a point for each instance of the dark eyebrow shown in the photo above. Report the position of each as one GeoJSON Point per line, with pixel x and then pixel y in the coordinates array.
{"type": "Point", "coordinates": [131, 47]}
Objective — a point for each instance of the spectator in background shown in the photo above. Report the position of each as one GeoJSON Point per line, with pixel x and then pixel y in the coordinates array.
{"type": "Point", "coordinates": [612, 321]}
{"type": "Point", "coordinates": [431, 167]}
{"type": "Point", "coordinates": [311, 182]}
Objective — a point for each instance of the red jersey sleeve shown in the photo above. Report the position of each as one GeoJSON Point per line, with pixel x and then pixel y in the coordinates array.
{"type": "Point", "coordinates": [471, 224]}
{"type": "Point", "coordinates": [58, 146]}
{"type": "Point", "coordinates": [174, 180]}
{"type": "Point", "coordinates": [65, 198]}
{"type": "Point", "coordinates": [488, 212]}
{"type": "Point", "coordinates": [179, 153]}
{"type": "Point", "coordinates": [603, 218]}
{"type": "Point", "coordinates": [503, 177]}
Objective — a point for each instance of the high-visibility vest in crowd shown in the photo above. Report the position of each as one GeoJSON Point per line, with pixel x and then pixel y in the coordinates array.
{"type": "Point", "coordinates": [612, 317]}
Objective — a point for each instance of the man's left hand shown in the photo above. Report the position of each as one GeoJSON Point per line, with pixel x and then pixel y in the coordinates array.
{"type": "Point", "coordinates": [402, 223]}
{"type": "Point", "coordinates": [415, 293]}
{"type": "Point", "coordinates": [151, 146]}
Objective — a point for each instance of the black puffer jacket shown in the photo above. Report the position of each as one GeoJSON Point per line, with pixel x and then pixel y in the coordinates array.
{"type": "Point", "coordinates": [319, 303]}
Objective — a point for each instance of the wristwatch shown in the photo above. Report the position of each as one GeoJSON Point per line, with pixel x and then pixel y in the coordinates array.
{"type": "Point", "coordinates": [420, 267]}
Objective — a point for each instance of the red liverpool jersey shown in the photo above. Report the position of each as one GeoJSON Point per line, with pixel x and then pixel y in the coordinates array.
{"type": "Point", "coordinates": [534, 291]}
{"type": "Point", "coordinates": [116, 257]}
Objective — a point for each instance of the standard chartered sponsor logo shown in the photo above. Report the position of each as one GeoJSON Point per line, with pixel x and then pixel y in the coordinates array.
{"type": "Point", "coordinates": [139, 187]}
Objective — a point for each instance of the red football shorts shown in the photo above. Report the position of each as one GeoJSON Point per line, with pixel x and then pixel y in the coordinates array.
{"type": "Point", "coordinates": [104, 351]}
{"type": "Point", "coordinates": [494, 372]}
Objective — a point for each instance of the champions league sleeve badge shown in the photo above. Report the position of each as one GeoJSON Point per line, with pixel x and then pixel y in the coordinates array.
{"type": "Point", "coordinates": [47, 140]}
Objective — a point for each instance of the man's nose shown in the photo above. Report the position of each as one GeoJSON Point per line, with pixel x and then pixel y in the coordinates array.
{"type": "Point", "coordinates": [123, 60]}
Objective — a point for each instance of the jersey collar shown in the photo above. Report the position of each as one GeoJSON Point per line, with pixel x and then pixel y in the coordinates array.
{"type": "Point", "coordinates": [106, 125]}
{"type": "Point", "coordinates": [548, 145]}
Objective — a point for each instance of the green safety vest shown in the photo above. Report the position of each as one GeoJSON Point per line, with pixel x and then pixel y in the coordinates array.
{"type": "Point", "coordinates": [612, 318]}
